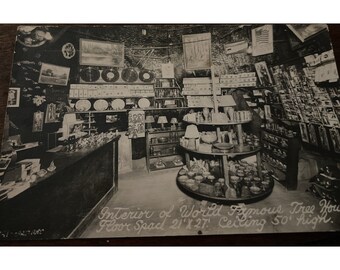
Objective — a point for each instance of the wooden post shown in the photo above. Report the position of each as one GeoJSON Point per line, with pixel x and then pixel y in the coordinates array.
{"type": "Point", "coordinates": [240, 135]}
{"type": "Point", "coordinates": [259, 163]}
{"type": "Point", "coordinates": [225, 170]}
{"type": "Point", "coordinates": [187, 159]}
{"type": "Point", "coordinates": [218, 130]}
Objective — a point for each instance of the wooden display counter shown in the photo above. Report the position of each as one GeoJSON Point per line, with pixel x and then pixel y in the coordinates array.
{"type": "Point", "coordinates": [62, 203]}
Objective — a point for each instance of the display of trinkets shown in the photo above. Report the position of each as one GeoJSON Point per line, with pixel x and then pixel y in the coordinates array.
{"type": "Point", "coordinates": [204, 178]}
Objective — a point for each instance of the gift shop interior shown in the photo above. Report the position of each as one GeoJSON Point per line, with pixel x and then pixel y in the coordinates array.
{"type": "Point", "coordinates": [149, 115]}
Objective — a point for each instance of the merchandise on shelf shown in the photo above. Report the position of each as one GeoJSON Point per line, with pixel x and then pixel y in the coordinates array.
{"type": "Point", "coordinates": [205, 178]}
{"type": "Point", "coordinates": [211, 117]}
{"type": "Point", "coordinates": [238, 80]}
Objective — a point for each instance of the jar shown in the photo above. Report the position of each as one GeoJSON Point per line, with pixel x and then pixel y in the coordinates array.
{"type": "Point", "coordinates": [217, 189]}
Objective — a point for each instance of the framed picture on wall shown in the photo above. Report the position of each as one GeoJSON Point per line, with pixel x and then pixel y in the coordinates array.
{"type": "Point", "coordinates": [51, 113]}
{"type": "Point", "coordinates": [101, 53]}
{"type": "Point", "coordinates": [323, 138]}
{"type": "Point", "coordinates": [38, 121]}
{"type": "Point", "coordinates": [55, 75]}
{"type": "Point", "coordinates": [263, 74]}
{"type": "Point", "coordinates": [335, 137]}
{"type": "Point", "coordinates": [304, 132]}
{"type": "Point", "coordinates": [13, 97]}
{"type": "Point", "coordinates": [197, 51]}
{"type": "Point", "coordinates": [312, 135]}
{"type": "Point", "coordinates": [305, 31]}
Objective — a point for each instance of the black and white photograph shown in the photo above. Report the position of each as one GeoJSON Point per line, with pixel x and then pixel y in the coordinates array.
{"type": "Point", "coordinates": [99, 53]}
{"type": "Point", "coordinates": [312, 135]}
{"type": "Point", "coordinates": [13, 99]}
{"type": "Point", "coordinates": [323, 138]}
{"type": "Point", "coordinates": [53, 74]}
{"type": "Point", "coordinates": [304, 132]}
{"type": "Point", "coordinates": [335, 137]}
{"type": "Point", "coordinates": [184, 152]}
{"type": "Point", "coordinates": [38, 122]}
{"type": "Point", "coordinates": [263, 73]}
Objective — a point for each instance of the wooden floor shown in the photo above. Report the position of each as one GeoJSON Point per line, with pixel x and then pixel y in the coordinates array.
{"type": "Point", "coordinates": [157, 191]}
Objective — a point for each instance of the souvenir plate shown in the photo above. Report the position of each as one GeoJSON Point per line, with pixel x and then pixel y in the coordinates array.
{"type": "Point", "coordinates": [110, 75]}
{"type": "Point", "coordinates": [83, 105]}
{"type": "Point", "coordinates": [118, 104]}
{"type": "Point", "coordinates": [146, 76]}
{"type": "Point", "coordinates": [90, 74]}
{"type": "Point", "coordinates": [143, 103]}
{"type": "Point", "coordinates": [129, 75]}
{"type": "Point", "coordinates": [100, 105]}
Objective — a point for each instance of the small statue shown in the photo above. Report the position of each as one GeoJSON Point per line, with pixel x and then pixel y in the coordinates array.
{"type": "Point", "coordinates": [52, 167]}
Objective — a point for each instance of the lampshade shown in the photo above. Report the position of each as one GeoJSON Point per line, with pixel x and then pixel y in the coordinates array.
{"type": "Point", "coordinates": [162, 120]}
{"type": "Point", "coordinates": [149, 119]}
{"type": "Point", "coordinates": [191, 132]}
{"type": "Point", "coordinates": [174, 120]}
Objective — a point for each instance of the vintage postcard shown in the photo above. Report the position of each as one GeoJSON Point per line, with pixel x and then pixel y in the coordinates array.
{"type": "Point", "coordinates": [163, 130]}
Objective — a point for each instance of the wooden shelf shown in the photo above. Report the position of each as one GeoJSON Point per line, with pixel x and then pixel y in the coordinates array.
{"type": "Point", "coordinates": [165, 131]}
{"type": "Point", "coordinates": [161, 98]}
{"type": "Point", "coordinates": [165, 155]}
{"type": "Point", "coordinates": [166, 143]}
{"type": "Point", "coordinates": [246, 199]}
{"type": "Point", "coordinates": [170, 87]}
{"type": "Point", "coordinates": [231, 152]}
{"type": "Point", "coordinates": [168, 165]}
{"type": "Point", "coordinates": [218, 123]}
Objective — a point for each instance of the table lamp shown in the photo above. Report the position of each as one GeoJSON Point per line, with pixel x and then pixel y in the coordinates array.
{"type": "Point", "coordinates": [192, 134]}
{"type": "Point", "coordinates": [162, 120]}
{"type": "Point", "coordinates": [173, 121]}
{"type": "Point", "coordinates": [149, 120]}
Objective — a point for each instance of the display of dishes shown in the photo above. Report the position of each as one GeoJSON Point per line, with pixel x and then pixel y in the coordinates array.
{"type": "Point", "coordinates": [211, 186]}
{"type": "Point", "coordinates": [100, 105]}
{"type": "Point", "coordinates": [118, 104]}
{"type": "Point", "coordinates": [83, 105]}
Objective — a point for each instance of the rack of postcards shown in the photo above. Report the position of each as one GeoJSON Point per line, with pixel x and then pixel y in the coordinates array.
{"type": "Point", "coordinates": [313, 106]}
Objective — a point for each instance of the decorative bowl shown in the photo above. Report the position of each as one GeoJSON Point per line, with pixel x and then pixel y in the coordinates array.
{"type": "Point", "coordinates": [255, 190]}
{"type": "Point", "coordinates": [223, 146]}
{"type": "Point", "coordinates": [209, 138]}
{"type": "Point", "coordinates": [162, 140]}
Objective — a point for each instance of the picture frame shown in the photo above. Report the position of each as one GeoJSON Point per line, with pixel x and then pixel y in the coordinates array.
{"type": "Point", "coordinates": [111, 118]}
{"type": "Point", "coordinates": [267, 112]}
{"type": "Point", "coordinates": [13, 99]}
{"type": "Point", "coordinates": [262, 40]}
{"type": "Point", "coordinates": [304, 132]}
{"type": "Point", "coordinates": [51, 113]}
{"type": "Point", "coordinates": [335, 138]}
{"type": "Point", "coordinates": [197, 51]}
{"type": "Point", "coordinates": [263, 74]}
{"type": "Point", "coordinates": [305, 31]}
{"type": "Point", "coordinates": [312, 135]}
{"type": "Point", "coordinates": [323, 138]}
{"type": "Point", "coordinates": [54, 75]}
{"type": "Point", "coordinates": [101, 53]}
{"type": "Point", "coordinates": [38, 121]}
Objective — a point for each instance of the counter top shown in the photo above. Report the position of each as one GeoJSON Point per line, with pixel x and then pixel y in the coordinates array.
{"type": "Point", "coordinates": [61, 160]}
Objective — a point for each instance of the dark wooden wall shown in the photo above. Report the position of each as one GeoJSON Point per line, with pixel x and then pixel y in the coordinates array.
{"type": "Point", "coordinates": [7, 42]}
